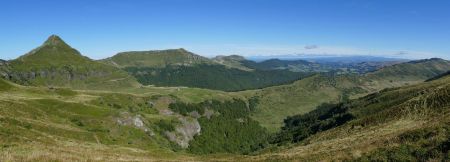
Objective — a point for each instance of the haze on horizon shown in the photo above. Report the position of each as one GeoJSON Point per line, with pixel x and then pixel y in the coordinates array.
{"type": "Point", "coordinates": [99, 29]}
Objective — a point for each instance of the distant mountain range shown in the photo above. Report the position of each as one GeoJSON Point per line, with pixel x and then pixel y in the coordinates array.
{"type": "Point", "coordinates": [57, 64]}
{"type": "Point", "coordinates": [327, 58]}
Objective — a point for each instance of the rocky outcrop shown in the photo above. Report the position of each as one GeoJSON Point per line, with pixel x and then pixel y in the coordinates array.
{"type": "Point", "coordinates": [135, 121]}
{"type": "Point", "coordinates": [185, 132]}
{"type": "Point", "coordinates": [4, 69]}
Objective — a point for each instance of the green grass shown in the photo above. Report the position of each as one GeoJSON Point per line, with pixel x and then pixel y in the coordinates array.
{"type": "Point", "coordinates": [51, 116]}
{"type": "Point", "coordinates": [5, 86]}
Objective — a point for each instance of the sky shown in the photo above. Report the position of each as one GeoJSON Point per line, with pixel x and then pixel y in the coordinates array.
{"type": "Point", "coordinates": [410, 29]}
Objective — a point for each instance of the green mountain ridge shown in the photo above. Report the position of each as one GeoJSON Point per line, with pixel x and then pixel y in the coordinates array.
{"type": "Point", "coordinates": [156, 59]}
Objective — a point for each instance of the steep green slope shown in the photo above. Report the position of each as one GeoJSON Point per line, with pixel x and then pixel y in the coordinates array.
{"type": "Point", "coordinates": [414, 70]}
{"type": "Point", "coordinates": [156, 59]}
{"type": "Point", "coordinates": [57, 64]}
{"type": "Point", "coordinates": [276, 103]}
{"type": "Point", "coordinates": [5, 86]}
{"type": "Point", "coordinates": [408, 123]}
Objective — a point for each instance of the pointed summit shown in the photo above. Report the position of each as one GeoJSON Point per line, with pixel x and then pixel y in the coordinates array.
{"type": "Point", "coordinates": [54, 51]}
{"type": "Point", "coordinates": [56, 63]}
{"type": "Point", "coordinates": [55, 40]}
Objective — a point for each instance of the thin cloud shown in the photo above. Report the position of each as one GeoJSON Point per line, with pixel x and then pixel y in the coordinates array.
{"type": "Point", "coordinates": [308, 47]}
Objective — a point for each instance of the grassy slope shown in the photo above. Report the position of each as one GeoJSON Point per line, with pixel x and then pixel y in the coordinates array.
{"type": "Point", "coordinates": [276, 103]}
{"type": "Point", "coordinates": [42, 124]}
{"type": "Point", "coordinates": [65, 66]}
{"type": "Point", "coordinates": [397, 124]}
{"type": "Point", "coordinates": [46, 130]}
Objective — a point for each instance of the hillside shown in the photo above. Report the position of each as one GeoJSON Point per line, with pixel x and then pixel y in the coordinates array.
{"type": "Point", "coordinates": [156, 59]}
{"type": "Point", "coordinates": [409, 123]}
{"type": "Point", "coordinates": [420, 69]}
{"type": "Point", "coordinates": [276, 103]}
{"type": "Point", "coordinates": [48, 124]}
{"type": "Point", "coordinates": [55, 63]}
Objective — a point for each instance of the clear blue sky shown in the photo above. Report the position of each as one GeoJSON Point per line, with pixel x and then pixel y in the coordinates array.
{"type": "Point", "coordinates": [101, 28]}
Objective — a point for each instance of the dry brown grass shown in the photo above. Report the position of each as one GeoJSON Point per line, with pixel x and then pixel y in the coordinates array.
{"type": "Point", "coordinates": [71, 151]}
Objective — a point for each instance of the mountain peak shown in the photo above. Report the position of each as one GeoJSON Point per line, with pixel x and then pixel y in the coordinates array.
{"type": "Point", "coordinates": [55, 40]}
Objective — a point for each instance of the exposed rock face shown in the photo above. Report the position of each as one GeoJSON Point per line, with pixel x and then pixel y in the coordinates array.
{"type": "Point", "coordinates": [208, 113]}
{"type": "Point", "coordinates": [184, 132]}
{"type": "Point", "coordinates": [135, 121]}
{"type": "Point", "coordinates": [4, 69]}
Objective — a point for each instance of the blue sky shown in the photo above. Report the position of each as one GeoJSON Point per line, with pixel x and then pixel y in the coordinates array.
{"type": "Point", "coordinates": [101, 28]}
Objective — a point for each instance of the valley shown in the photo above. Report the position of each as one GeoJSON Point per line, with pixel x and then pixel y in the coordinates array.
{"type": "Point", "coordinates": [174, 105]}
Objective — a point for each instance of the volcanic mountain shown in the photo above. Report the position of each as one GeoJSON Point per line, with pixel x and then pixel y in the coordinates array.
{"type": "Point", "coordinates": [55, 63]}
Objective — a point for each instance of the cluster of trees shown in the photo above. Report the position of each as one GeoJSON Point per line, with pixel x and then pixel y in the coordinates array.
{"type": "Point", "coordinates": [326, 116]}
{"type": "Point", "coordinates": [185, 108]}
{"type": "Point", "coordinates": [230, 130]}
{"type": "Point", "coordinates": [216, 77]}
